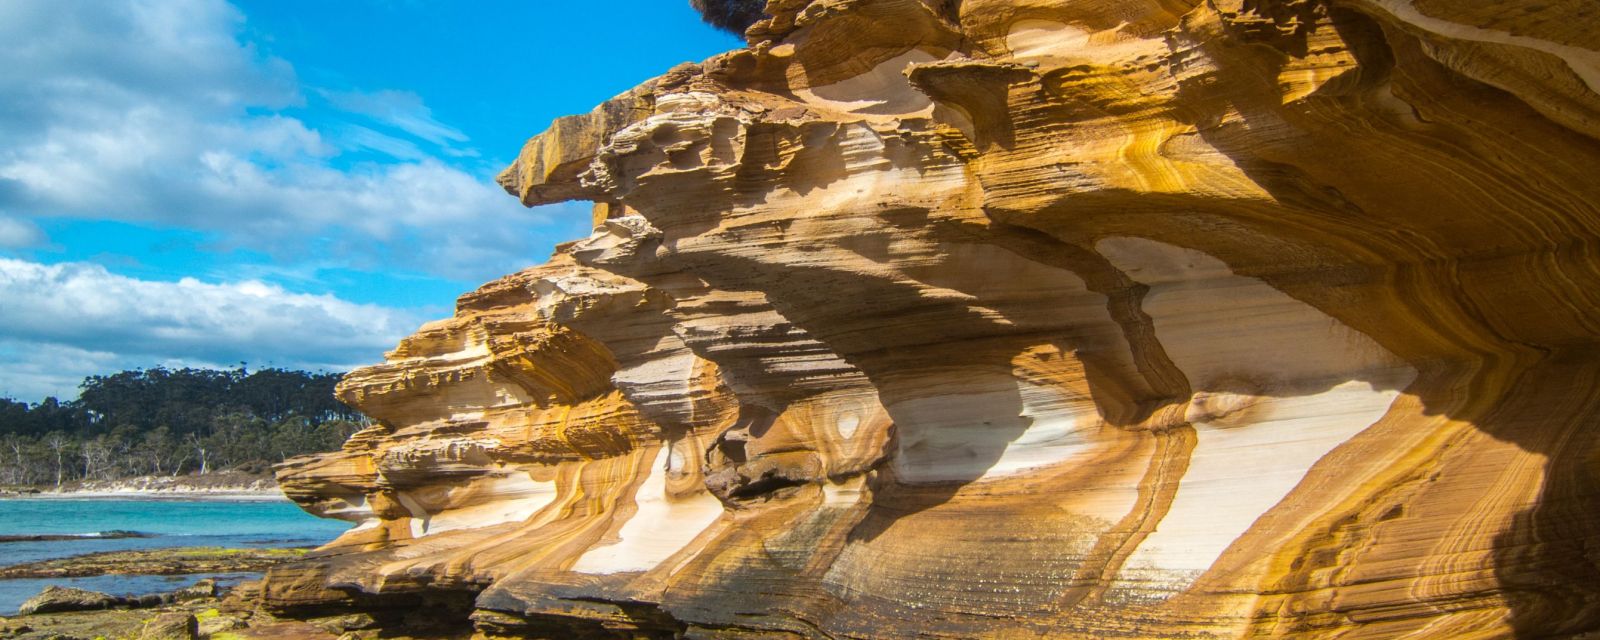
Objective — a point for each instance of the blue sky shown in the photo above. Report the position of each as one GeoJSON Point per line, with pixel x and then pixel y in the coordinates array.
{"type": "Point", "coordinates": [292, 183]}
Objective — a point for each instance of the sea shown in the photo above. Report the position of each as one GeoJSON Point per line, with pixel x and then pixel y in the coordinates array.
{"type": "Point", "coordinates": [168, 523]}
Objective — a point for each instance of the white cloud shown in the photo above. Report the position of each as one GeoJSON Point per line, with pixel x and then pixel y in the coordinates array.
{"type": "Point", "coordinates": [155, 112]}
{"type": "Point", "coordinates": [160, 52]}
{"type": "Point", "coordinates": [65, 321]}
{"type": "Point", "coordinates": [18, 234]}
{"type": "Point", "coordinates": [402, 110]}
{"type": "Point", "coordinates": [30, 372]}
{"type": "Point", "coordinates": [359, 137]}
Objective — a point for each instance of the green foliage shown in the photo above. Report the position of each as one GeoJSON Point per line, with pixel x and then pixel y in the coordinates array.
{"type": "Point", "coordinates": [171, 422]}
{"type": "Point", "coordinates": [733, 16]}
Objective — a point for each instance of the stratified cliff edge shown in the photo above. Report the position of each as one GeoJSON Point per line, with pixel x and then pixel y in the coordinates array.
{"type": "Point", "coordinates": [1020, 319]}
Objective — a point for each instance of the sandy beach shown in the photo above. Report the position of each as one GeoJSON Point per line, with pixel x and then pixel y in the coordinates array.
{"type": "Point", "coordinates": [228, 486]}
{"type": "Point", "coordinates": [229, 495]}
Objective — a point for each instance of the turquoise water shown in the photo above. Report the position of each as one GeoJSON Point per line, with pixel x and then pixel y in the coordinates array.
{"type": "Point", "coordinates": [171, 523]}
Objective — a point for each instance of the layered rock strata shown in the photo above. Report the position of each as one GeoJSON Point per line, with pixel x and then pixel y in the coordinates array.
{"type": "Point", "coordinates": [1019, 319]}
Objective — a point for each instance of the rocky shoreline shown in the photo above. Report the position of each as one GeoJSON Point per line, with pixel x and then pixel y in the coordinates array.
{"type": "Point", "coordinates": [204, 610]}
{"type": "Point", "coordinates": [65, 537]}
{"type": "Point", "coordinates": [154, 562]}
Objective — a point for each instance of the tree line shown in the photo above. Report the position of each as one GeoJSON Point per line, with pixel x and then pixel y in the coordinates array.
{"type": "Point", "coordinates": [172, 422]}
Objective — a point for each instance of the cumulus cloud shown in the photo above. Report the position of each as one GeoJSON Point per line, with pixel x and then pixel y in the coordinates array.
{"type": "Point", "coordinates": [66, 321]}
{"type": "Point", "coordinates": [155, 111]}
{"type": "Point", "coordinates": [161, 113]}
{"type": "Point", "coordinates": [177, 53]}
{"type": "Point", "coordinates": [32, 371]}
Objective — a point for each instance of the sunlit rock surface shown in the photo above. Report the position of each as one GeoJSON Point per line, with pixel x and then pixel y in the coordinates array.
{"type": "Point", "coordinates": [1020, 319]}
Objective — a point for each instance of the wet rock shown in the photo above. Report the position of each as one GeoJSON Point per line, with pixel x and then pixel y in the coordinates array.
{"type": "Point", "coordinates": [172, 626]}
{"type": "Point", "coordinates": [147, 601]}
{"type": "Point", "coordinates": [119, 623]}
{"type": "Point", "coordinates": [206, 588]}
{"type": "Point", "coordinates": [345, 623]}
{"type": "Point", "coordinates": [284, 631]}
{"type": "Point", "coordinates": [59, 599]}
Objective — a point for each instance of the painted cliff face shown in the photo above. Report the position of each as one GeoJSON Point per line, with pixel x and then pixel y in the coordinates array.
{"type": "Point", "coordinates": [995, 317]}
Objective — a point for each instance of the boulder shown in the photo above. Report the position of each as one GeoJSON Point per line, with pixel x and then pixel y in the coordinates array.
{"type": "Point", "coordinates": [171, 626]}
{"type": "Point", "coordinates": [61, 599]}
{"type": "Point", "coordinates": [213, 624]}
{"type": "Point", "coordinates": [147, 601]}
{"type": "Point", "coordinates": [205, 588]}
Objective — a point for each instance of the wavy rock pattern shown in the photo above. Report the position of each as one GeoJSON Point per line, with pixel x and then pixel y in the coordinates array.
{"type": "Point", "coordinates": [1024, 318]}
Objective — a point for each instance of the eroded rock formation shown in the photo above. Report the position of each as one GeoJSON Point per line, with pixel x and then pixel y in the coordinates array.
{"type": "Point", "coordinates": [1018, 319]}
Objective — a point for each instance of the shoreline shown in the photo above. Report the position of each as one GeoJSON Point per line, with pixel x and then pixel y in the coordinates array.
{"type": "Point", "coordinates": [221, 487]}
{"type": "Point", "coordinates": [163, 561]}
{"type": "Point", "coordinates": [113, 594]}
{"type": "Point", "coordinates": [97, 586]}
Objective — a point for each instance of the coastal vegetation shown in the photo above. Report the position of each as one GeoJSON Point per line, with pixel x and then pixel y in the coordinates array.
{"type": "Point", "coordinates": [172, 422]}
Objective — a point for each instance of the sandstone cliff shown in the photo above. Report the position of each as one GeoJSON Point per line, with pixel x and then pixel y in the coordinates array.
{"type": "Point", "coordinates": [1019, 319]}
